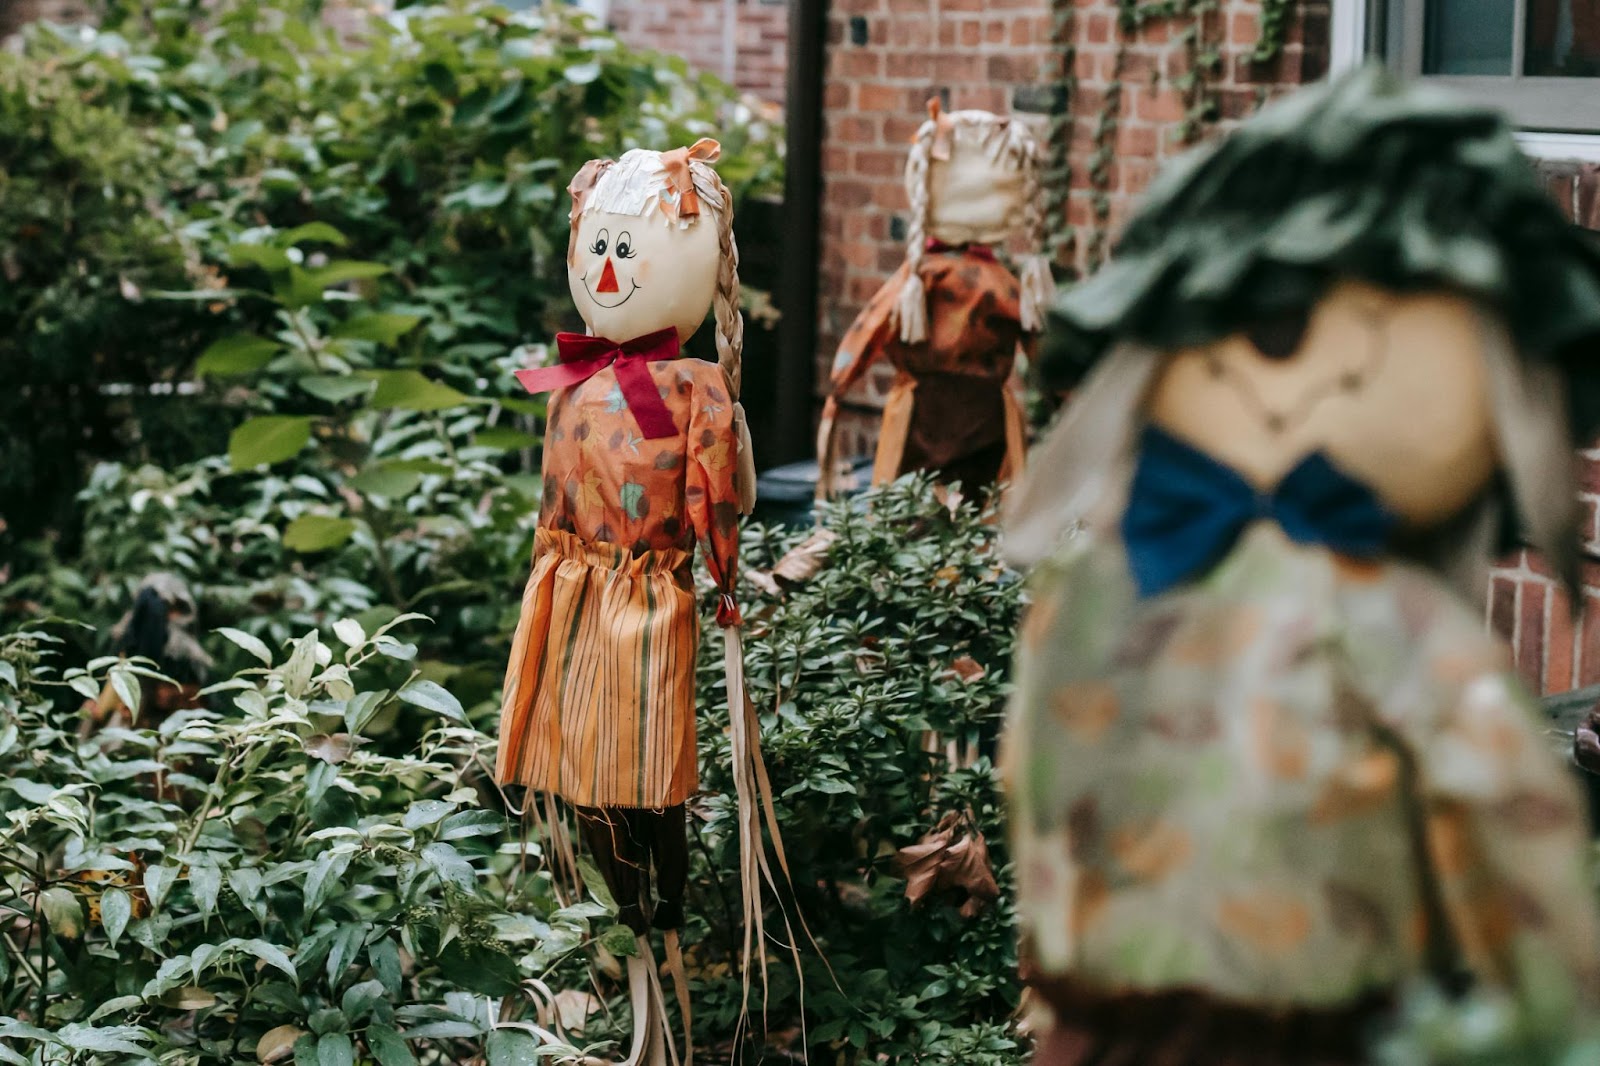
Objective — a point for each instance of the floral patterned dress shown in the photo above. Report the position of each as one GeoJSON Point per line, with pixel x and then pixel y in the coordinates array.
{"type": "Point", "coordinates": [953, 408]}
{"type": "Point", "coordinates": [1290, 784]}
{"type": "Point", "coordinates": [598, 703]}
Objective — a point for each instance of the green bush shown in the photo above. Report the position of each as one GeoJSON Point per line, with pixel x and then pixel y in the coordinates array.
{"type": "Point", "coordinates": [907, 630]}
{"type": "Point", "coordinates": [255, 881]}
{"type": "Point", "coordinates": [183, 149]}
{"type": "Point", "coordinates": [342, 765]}
{"type": "Point", "coordinates": [341, 241]}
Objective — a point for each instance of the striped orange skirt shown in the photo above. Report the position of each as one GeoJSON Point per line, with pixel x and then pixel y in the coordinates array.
{"type": "Point", "coordinates": [598, 705]}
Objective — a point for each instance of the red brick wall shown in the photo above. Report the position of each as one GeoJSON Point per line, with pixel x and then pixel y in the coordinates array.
{"type": "Point", "coordinates": [1555, 651]}
{"type": "Point", "coordinates": [885, 58]}
{"type": "Point", "coordinates": [754, 41]}
{"type": "Point", "coordinates": [1153, 103]}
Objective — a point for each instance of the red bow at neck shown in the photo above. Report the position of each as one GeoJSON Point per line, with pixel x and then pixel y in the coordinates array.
{"type": "Point", "coordinates": [982, 251]}
{"type": "Point", "coordinates": [583, 357]}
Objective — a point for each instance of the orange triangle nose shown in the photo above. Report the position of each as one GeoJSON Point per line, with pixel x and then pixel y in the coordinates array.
{"type": "Point", "coordinates": [608, 279]}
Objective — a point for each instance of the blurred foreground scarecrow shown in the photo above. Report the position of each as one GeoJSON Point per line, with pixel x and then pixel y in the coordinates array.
{"type": "Point", "coordinates": [1265, 765]}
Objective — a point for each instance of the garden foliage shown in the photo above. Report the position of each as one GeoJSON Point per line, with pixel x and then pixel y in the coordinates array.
{"type": "Point", "coordinates": [317, 865]}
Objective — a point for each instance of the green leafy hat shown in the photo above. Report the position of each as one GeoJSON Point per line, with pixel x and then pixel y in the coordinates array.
{"type": "Point", "coordinates": [1400, 185]}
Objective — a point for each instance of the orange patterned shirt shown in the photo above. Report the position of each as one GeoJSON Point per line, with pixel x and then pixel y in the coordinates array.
{"type": "Point", "coordinates": [606, 483]}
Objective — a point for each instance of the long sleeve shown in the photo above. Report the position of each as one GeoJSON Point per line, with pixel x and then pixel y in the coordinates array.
{"type": "Point", "coordinates": [865, 341]}
{"type": "Point", "coordinates": [1510, 846]}
{"type": "Point", "coordinates": [710, 496]}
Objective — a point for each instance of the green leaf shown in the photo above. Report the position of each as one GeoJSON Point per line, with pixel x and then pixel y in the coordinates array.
{"type": "Point", "coordinates": [116, 1005]}
{"type": "Point", "coordinates": [480, 194]}
{"type": "Point", "coordinates": [385, 958]}
{"type": "Point", "coordinates": [504, 439]}
{"type": "Point", "coordinates": [126, 686]}
{"type": "Point", "coordinates": [60, 907]}
{"type": "Point", "coordinates": [346, 946]}
{"type": "Point", "coordinates": [388, 1047]}
{"type": "Point", "coordinates": [471, 824]}
{"type": "Point", "coordinates": [325, 874]}
{"type": "Point", "coordinates": [432, 696]}
{"type": "Point", "coordinates": [272, 956]}
{"type": "Point", "coordinates": [342, 270]}
{"type": "Point", "coordinates": [268, 439]}
{"type": "Point", "coordinates": [319, 232]}
{"type": "Point", "coordinates": [205, 882]}
{"type": "Point", "coordinates": [483, 970]}
{"type": "Point", "coordinates": [360, 710]}
{"type": "Point", "coordinates": [359, 999]}
{"type": "Point", "coordinates": [383, 327]}
{"type": "Point", "coordinates": [157, 880]}
{"type": "Point", "coordinates": [249, 643]}
{"type": "Point", "coordinates": [445, 861]}
{"type": "Point", "coordinates": [620, 940]}
{"type": "Point", "coordinates": [410, 391]}
{"type": "Point", "coordinates": [335, 1049]}
{"type": "Point", "coordinates": [113, 1039]}
{"type": "Point", "coordinates": [335, 388]}
{"type": "Point", "coordinates": [582, 73]}
{"type": "Point", "coordinates": [115, 910]}
{"type": "Point", "coordinates": [315, 533]}
{"type": "Point", "coordinates": [239, 354]}
{"type": "Point", "coordinates": [512, 1047]}
{"type": "Point", "coordinates": [349, 631]}
{"type": "Point", "coordinates": [261, 255]}
{"type": "Point", "coordinates": [425, 813]}
{"type": "Point", "coordinates": [386, 482]}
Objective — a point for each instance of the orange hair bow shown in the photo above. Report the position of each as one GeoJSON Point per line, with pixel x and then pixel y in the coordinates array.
{"type": "Point", "coordinates": [680, 180]}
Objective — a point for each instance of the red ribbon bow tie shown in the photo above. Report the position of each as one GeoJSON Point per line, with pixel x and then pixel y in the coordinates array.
{"type": "Point", "coordinates": [982, 251]}
{"type": "Point", "coordinates": [583, 357]}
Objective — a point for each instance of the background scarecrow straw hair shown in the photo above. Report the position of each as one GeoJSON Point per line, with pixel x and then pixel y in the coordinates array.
{"type": "Point", "coordinates": [1004, 140]}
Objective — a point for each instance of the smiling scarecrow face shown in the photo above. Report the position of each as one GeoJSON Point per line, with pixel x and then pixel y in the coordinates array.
{"type": "Point", "coordinates": [644, 255]}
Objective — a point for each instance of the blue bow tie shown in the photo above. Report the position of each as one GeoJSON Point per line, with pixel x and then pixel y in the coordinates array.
{"type": "Point", "coordinates": [1186, 511]}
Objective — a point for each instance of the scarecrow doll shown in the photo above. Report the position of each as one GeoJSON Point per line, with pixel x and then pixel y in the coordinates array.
{"type": "Point", "coordinates": [646, 455]}
{"type": "Point", "coordinates": [1265, 765]}
{"type": "Point", "coordinates": [953, 318]}
{"type": "Point", "coordinates": [157, 628]}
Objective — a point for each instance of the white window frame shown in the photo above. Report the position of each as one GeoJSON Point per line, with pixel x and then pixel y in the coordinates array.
{"type": "Point", "coordinates": [1348, 46]}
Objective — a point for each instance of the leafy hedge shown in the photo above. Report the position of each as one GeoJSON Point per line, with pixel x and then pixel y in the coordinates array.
{"type": "Point", "coordinates": [318, 866]}
{"type": "Point", "coordinates": [183, 149]}
{"type": "Point", "coordinates": [252, 881]}
{"type": "Point", "coordinates": [341, 240]}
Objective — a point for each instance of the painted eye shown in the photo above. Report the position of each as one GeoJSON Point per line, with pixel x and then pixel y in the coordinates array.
{"type": "Point", "coordinates": [600, 242]}
{"type": "Point", "coordinates": [625, 245]}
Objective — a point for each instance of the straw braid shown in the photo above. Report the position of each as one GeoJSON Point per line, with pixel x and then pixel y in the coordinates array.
{"type": "Point", "coordinates": [1038, 285]}
{"type": "Point", "coordinates": [730, 321]}
{"type": "Point", "coordinates": [911, 310]}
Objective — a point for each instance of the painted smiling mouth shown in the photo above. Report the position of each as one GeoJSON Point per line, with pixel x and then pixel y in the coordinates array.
{"type": "Point", "coordinates": [619, 303]}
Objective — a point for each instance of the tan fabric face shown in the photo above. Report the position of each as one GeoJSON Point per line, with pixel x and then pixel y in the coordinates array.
{"type": "Point", "coordinates": [1393, 388]}
{"type": "Point", "coordinates": [665, 273]}
{"type": "Point", "coordinates": [972, 197]}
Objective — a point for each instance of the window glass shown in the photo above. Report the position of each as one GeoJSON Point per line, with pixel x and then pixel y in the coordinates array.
{"type": "Point", "coordinates": [1470, 36]}
{"type": "Point", "coordinates": [1563, 39]}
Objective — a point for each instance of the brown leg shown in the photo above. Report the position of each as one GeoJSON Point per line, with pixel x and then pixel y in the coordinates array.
{"type": "Point", "coordinates": [611, 836]}
{"type": "Point", "coordinates": [668, 834]}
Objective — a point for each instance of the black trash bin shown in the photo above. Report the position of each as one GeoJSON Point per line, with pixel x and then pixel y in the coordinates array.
{"type": "Point", "coordinates": [785, 495]}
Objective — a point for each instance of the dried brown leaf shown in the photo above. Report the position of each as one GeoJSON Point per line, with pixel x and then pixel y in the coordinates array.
{"type": "Point", "coordinates": [277, 1045]}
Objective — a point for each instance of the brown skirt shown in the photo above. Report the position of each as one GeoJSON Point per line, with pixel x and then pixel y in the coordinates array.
{"type": "Point", "coordinates": [1192, 1029]}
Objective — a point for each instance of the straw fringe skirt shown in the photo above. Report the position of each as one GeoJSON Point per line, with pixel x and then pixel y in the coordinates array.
{"type": "Point", "coordinates": [598, 705]}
